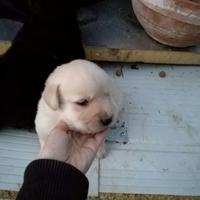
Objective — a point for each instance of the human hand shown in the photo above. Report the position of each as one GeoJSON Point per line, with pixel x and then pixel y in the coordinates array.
{"type": "Point", "coordinates": [71, 147]}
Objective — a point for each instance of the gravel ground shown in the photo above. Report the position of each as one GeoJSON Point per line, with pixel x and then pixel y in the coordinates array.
{"type": "Point", "coordinates": [8, 195]}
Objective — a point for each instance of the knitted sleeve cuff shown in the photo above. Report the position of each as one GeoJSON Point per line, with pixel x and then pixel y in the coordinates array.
{"type": "Point", "coordinates": [50, 179]}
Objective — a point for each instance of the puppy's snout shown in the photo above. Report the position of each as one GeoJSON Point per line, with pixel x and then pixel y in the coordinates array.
{"type": "Point", "coordinates": [106, 121]}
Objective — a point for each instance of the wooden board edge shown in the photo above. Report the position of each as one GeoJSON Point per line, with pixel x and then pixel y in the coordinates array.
{"type": "Point", "coordinates": [131, 55]}
{"type": "Point", "coordinates": [4, 46]}
{"type": "Point", "coordinates": [143, 56]}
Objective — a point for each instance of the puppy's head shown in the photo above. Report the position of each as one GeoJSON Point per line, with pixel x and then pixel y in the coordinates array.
{"type": "Point", "coordinates": [83, 95]}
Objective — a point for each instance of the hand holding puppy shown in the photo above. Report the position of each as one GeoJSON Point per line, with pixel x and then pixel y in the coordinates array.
{"type": "Point", "coordinates": [72, 147]}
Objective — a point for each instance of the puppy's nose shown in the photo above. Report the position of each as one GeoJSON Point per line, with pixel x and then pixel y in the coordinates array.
{"type": "Point", "coordinates": [106, 121]}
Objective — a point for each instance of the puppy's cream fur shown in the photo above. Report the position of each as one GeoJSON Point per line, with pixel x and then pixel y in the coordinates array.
{"type": "Point", "coordinates": [81, 94]}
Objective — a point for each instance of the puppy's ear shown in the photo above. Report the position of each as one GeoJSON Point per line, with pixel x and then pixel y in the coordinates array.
{"type": "Point", "coordinates": [52, 96]}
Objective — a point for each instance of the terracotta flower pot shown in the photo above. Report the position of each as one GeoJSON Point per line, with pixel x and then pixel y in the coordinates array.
{"type": "Point", "coordinates": [171, 22]}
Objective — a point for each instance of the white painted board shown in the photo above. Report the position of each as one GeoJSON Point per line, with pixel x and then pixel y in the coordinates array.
{"type": "Point", "coordinates": [163, 152]}
{"type": "Point", "coordinates": [162, 155]}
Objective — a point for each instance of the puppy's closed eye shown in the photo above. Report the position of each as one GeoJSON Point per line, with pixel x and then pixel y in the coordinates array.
{"type": "Point", "coordinates": [82, 102]}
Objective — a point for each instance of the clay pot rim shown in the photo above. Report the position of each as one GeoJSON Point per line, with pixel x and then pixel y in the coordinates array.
{"type": "Point", "coordinates": [195, 8]}
{"type": "Point", "coordinates": [190, 2]}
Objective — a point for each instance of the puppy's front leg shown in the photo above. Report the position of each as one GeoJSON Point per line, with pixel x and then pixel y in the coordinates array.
{"type": "Point", "coordinates": [102, 151]}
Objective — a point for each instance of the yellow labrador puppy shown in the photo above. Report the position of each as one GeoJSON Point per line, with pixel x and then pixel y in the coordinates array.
{"type": "Point", "coordinates": [81, 94]}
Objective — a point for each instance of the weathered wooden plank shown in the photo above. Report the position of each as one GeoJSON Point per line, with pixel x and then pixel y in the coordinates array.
{"type": "Point", "coordinates": [4, 45]}
{"type": "Point", "coordinates": [131, 55]}
{"type": "Point", "coordinates": [144, 56]}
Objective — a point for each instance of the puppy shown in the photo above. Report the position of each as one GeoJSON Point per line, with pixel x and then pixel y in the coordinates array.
{"type": "Point", "coordinates": [81, 94]}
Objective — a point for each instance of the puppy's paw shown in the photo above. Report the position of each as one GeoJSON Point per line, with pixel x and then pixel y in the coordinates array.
{"type": "Point", "coordinates": [101, 152]}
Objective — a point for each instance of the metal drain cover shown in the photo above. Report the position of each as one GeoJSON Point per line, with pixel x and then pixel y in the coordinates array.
{"type": "Point", "coordinates": [118, 133]}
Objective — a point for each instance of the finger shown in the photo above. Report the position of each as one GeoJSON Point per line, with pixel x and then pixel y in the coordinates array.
{"type": "Point", "coordinates": [94, 141]}
{"type": "Point", "coordinates": [61, 126]}
{"type": "Point", "coordinates": [100, 137]}
{"type": "Point", "coordinates": [56, 146]}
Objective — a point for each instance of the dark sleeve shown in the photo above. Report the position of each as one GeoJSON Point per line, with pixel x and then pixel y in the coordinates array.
{"type": "Point", "coordinates": [50, 179]}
